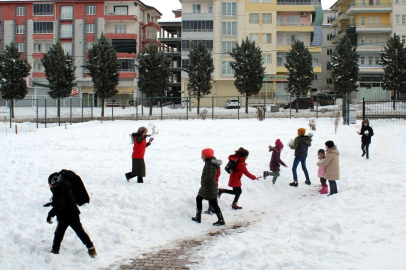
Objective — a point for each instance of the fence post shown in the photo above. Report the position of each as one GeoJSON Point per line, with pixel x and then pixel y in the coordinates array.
{"type": "Point", "coordinates": [343, 108]}
{"type": "Point", "coordinates": [363, 108]}
{"type": "Point", "coordinates": [290, 107]}
{"type": "Point", "coordinates": [238, 105]}
{"type": "Point", "coordinates": [82, 110]}
{"type": "Point", "coordinates": [45, 113]}
{"type": "Point", "coordinates": [37, 111]}
{"type": "Point", "coordinates": [317, 108]}
{"type": "Point", "coordinates": [70, 110]}
{"type": "Point", "coordinates": [212, 107]}
{"type": "Point", "coordinates": [161, 107]}
{"type": "Point", "coordinates": [91, 108]}
{"type": "Point", "coordinates": [348, 112]}
{"type": "Point", "coordinates": [11, 113]}
{"type": "Point", "coordinates": [187, 108]}
{"type": "Point", "coordinates": [59, 112]}
{"type": "Point", "coordinates": [136, 110]}
{"type": "Point", "coordinates": [112, 109]}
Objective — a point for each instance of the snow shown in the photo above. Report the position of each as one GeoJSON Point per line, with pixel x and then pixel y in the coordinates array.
{"type": "Point", "coordinates": [362, 227]}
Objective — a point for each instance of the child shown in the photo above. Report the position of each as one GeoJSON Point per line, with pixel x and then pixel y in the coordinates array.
{"type": "Point", "coordinates": [217, 162]}
{"type": "Point", "coordinates": [331, 165]}
{"type": "Point", "coordinates": [235, 178]}
{"type": "Point", "coordinates": [208, 189]}
{"type": "Point", "coordinates": [276, 161]}
{"type": "Point", "coordinates": [321, 171]}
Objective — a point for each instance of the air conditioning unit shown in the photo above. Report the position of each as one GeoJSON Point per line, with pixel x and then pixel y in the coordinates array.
{"type": "Point", "coordinates": [302, 14]}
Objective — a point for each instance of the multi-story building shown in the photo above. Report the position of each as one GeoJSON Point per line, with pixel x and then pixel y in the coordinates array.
{"type": "Point", "coordinates": [35, 25]}
{"type": "Point", "coordinates": [273, 25]}
{"type": "Point", "coordinates": [369, 24]}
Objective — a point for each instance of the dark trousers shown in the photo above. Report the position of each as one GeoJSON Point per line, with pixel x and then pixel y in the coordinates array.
{"type": "Point", "coordinates": [76, 226]}
{"type": "Point", "coordinates": [296, 162]}
{"type": "Point", "coordinates": [333, 187]}
{"type": "Point", "coordinates": [213, 203]}
{"type": "Point", "coordinates": [323, 181]}
{"type": "Point", "coordinates": [236, 191]}
{"type": "Point", "coordinates": [365, 149]}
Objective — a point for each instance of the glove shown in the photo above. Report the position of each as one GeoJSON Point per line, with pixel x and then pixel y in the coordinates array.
{"type": "Point", "coordinates": [151, 140]}
{"type": "Point", "coordinates": [49, 219]}
{"type": "Point", "coordinates": [47, 204]}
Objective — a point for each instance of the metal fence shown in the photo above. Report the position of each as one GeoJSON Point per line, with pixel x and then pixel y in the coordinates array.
{"type": "Point", "coordinates": [73, 110]}
{"type": "Point", "coordinates": [387, 109]}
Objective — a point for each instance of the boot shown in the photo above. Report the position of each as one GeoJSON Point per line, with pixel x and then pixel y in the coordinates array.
{"type": "Point", "coordinates": [128, 176]}
{"type": "Point", "coordinates": [220, 221]}
{"type": "Point", "coordinates": [235, 206]}
{"type": "Point", "coordinates": [307, 182]}
{"type": "Point", "coordinates": [209, 211]}
{"type": "Point", "coordinates": [198, 217]}
{"type": "Point", "coordinates": [293, 184]}
{"type": "Point", "coordinates": [54, 251]}
{"type": "Point", "coordinates": [140, 180]}
{"type": "Point", "coordinates": [221, 190]}
{"type": "Point", "coordinates": [92, 252]}
{"type": "Point", "coordinates": [266, 173]}
{"type": "Point", "coordinates": [324, 190]}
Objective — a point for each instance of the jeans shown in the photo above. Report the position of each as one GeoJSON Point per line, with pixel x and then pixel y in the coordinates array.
{"type": "Point", "coordinates": [76, 226]}
{"type": "Point", "coordinates": [333, 187]}
{"type": "Point", "coordinates": [296, 162]}
{"type": "Point", "coordinates": [365, 149]}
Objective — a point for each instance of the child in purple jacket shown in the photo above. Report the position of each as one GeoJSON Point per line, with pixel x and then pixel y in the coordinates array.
{"type": "Point", "coordinates": [276, 161]}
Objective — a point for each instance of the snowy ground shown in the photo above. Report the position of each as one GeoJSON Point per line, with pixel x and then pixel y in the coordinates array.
{"type": "Point", "coordinates": [362, 227]}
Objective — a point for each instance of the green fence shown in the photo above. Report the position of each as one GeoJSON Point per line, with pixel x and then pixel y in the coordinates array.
{"type": "Point", "coordinates": [73, 110]}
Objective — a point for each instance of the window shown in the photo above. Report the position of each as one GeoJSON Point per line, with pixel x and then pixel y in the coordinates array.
{"type": "Point", "coordinates": [291, 39]}
{"type": "Point", "coordinates": [66, 30]}
{"type": "Point", "coordinates": [254, 38]}
{"type": "Point", "coordinates": [362, 20]}
{"type": "Point", "coordinates": [121, 10]}
{"type": "Point", "coordinates": [229, 28]}
{"type": "Point", "coordinates": [38, 67]}
{"type": "Point", "coordinates": [370, 40]}
{"type": "Point", "coordinates": [404, 39]}
{"type": "Point", "coordinates": [20, 29]}
{"type": "Point", "coordinates": [43, 9]}
{"type": "Point", "coordinates": [266, 38]}
{"type": "Point", "coordinates": [226, 69]}
{"type": "Point", "coordinates": [37, 47]}
{"type": "Point", "coordinates": [330, 52]}
{"type": "Point", "coordinates": [21, 47]}
{"type": "Point", "coordinates": [378, 2]}
{"type": "Point", "coordinates": [120, 29]}
{"type": "Point", "coordinates": [397, 19]}
{"type": "Point", "coordinates": [254, 1]}
{"type": "Point", "coordinates": [43, 27]}
{"type": "Point", "coordinates": [370, 61]}
{"type": "Point", "coordinates": [330, 36]}
{"type": "Point", "coordinates": [48, 46]}
{"type": "Point", "coordinates": [267, 18]}
{"type": "Point", "coordinates": [197, 26]}
{"type": "Point", "coordinates": [293, 19]}
{"type": "Point", "coordinates": [403, 19]}
{"type": "Point", "coordinates": [280, 19]}
{"type": "Point", "coordinates": [377, 21]}
{"type": "Point", "coordinates": [90, 28]}
{"type": "Point", "coordinates": [210, 8]}
{"type": "Point", "coordinates": [377, 40]}
{"type": "Point", "coordinates": [196, 9]}
{"type": "Point", "coordinates": [91, 10]}
{"type": "Point", "coordinates": [267, 58]}
{"type": "Point", "coordinates": [266, 1]}
{"type": "Point", "coordinates": [280, 39]}
{"type": "Point", "coordinates": [67, 47]}
{"type": "Point", "coordinates": [185, 63]}
{"type": "Point", "coordinates": [279, 60]}
{"type": "Point", "coordinates": [126, 65]}
{"type": "Point", "coordinates": [314, 77]}
{"type": "Point", "coordinates": [397, 1]}
{"type": "Point", "coordinates": [89, 45]}
{"type": "Point", "coordinates": [362, 41]}
{"type": "Point", "coordinates": [315, 62]}
{"type": "Point", "coordinates": [229, 9]}
{"type": "Point", "coordinates": [254, 18]}
{"type": "Point", "coordinates": [20, 11]}
{"type": "Point", "coordinates": [329, 81]}
{"type": "Point", "coordinates": [227, 47]}
{"type": "Point", "coordinates": [377, 60]}
{"type": "Point", "coordinates": [370, 20]}
{"type": "Point", "coordinates": [328, 66]}
{"type": "Point", "coordinates": [66, 12]}
{"type": "Point", "coordinates": [362, 60]}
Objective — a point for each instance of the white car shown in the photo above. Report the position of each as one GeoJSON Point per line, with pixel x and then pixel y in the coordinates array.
{"type": "Point", "coordinates": [232, 103]}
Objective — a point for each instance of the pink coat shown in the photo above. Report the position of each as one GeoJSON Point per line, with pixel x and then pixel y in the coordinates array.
{"type": "Point", "coordinates": [322, 170]}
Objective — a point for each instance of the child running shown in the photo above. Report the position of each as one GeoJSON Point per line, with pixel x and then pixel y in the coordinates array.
{"type": "Point", "coordinates": [276, 161]}
{"type": "Point", "coordinates": [320, 173]}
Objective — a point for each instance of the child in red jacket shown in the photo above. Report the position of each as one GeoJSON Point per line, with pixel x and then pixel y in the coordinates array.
{"type": "Point", "coordinates": [276, 161]}
{"type": "Point", "coordinates": [235, 178]}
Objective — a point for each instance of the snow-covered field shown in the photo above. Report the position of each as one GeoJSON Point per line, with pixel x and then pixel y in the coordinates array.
{"type": "Point", "coordinates": [362, 227]}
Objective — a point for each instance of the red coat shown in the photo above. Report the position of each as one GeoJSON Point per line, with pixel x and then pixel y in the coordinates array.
{"type": "Point", "coordinates": [218, 176]}
{"type": "Point", "coordinates": [240, 169]}
{"type": "Point", "coordinates": [139, 148]}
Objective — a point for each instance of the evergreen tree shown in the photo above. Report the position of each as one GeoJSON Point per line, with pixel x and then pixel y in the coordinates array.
{"type": "Point", "coordinates": [300, 68]}
{"type": "Point", "coordinates": [393, 60]}
{"type": "Point", "coordinates": [248, 69]}
{"type": "Point", "coordinates": [103, 67]}
{"type": "Point", "coordinates": [344, 66]}
{"type": "Point", "coordinates": [153, 69]}
{"type": "Point", "coordinates": [13, 71]}
{"type": "Point", "coordinates": [60, 73]}
{"type": "Point", "coordinates": [199, 69]}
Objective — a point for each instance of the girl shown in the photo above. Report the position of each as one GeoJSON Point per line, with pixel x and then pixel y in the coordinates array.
{"type": "Point", "coordinates": [276, 161]}
{"type": "Point", "coordinates": [332, 166]}
{"type": "Point", "coordinates": [235, 178]}
{"type": "Point", "coordinates": [321, 171]}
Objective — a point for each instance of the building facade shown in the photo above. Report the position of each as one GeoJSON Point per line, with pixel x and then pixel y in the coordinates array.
{"type": "Point", "coordinates": [36, 25]}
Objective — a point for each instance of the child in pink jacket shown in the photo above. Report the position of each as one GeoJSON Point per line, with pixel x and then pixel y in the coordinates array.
{"type": "Point", "coordinates": [324, 187]}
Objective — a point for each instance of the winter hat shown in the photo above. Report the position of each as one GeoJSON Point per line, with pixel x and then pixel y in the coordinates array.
{"type": "Point", "coordinates": [330, 144]}
{"type": "Point", "coordinates": [55, 178]}
{"type": "Point", "coordinates": [208, 152]}
{"type": "Point", "coordinates": [278, 144]}
{"type": "Point", "coordinates": [301, 131]}
{"type": "Point", "coordinates": [141, 130]}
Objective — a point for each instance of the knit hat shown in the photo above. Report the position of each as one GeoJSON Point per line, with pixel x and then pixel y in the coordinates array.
{"type": "Point", "coordinates": [301, 131]}
{"type": "Point", "coordinates": [208, 152]}
{"type": "Point", "coordinates": [330, 144]}
{"type": "Point", "coordinates": [278, 144]}
{"type": "Point", "coordinates": [141, 130]}
{"type": "Point", "coordinates": [55, 178]}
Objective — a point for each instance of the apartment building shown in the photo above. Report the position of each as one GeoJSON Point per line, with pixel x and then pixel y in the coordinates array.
{"type": "Point", "coordinates": [36, 25]}
{"type": "Point", "coordinates": [369, 24]}
{"type": "Point", "coordinates": [272, 24]}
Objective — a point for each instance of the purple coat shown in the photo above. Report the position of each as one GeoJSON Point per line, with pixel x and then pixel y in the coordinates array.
{"type": "Point", "coordinates": [276, 161]}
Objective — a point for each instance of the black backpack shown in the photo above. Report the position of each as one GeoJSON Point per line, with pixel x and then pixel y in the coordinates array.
{"type": "Point", "coordinates": [230, 167]}
{"type": "Point", "coordinates": [77, 186]}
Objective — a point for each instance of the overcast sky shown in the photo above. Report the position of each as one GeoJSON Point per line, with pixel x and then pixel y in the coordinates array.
{"type": "Point", "coordinates": [166, 7]}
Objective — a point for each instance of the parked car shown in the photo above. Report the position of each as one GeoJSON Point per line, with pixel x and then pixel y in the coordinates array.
{"type": "Point", "coordinates": [232, 103]}
{"type": "Point", "coordinates": [304, 103]}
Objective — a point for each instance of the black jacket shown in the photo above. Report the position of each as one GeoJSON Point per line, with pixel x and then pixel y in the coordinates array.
{"type": "Point", "coordinates": [301, 144]}
{"type": "Point", "coordinates": [63, 202]}
{"type": "Point", "coordinates": [366, 136]}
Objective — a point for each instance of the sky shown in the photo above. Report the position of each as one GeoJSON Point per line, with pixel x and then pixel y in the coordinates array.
{"type": "Point", "coordinates": [166, 7]}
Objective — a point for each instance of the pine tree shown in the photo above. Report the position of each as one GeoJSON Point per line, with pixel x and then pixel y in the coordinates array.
{"type": "Point", "coordinates": [248, 69]}
{"type": "Point", "coordinates": [153, 69]}
{"type": "Point", "coordinates": [393, 60]}
{"type": "Point", "coordinates": [103, 67]}
{"type": "Point", "coordinates": [299, 65]}
{"type": "Point", "coordinates": [60, 73]}
{"type": "Point", "coordinates": [199, 69]}
{"type": "Point", "coordinates": [344, 66]}
{"type": "Point", "coordinates": [13, 71]}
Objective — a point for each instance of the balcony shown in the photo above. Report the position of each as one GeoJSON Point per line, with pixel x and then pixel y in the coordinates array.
{"type": "Point", "coordinates": [334, 22]}
{"type": "Point", "coordinates": [120, 34]}
{"type": "Point", "coordinates": [127, 73]}
{"type": "Point", "coordinates": [119, 16]}
{"type": "Point", "coordinates": [188, 11]}
{"type": "Point", "coordinates": [153, 25]}
{"type": "Point", "coordinates": [343, 17]}
{"type": "Point", "coordinates": [337, 37]}
{"type": "Point", "coordinates": [369, 7]}
{"type": "Point", "coordinates": [280, 68]}
{"type": "Point", "coordinates": [66, 16]}
{"type": "Point", "coordinates": [286, 46]}
{"type": "Point", "coordinates": [294, 6]}
{"type": "Point", "coordinates": [66, 34]}
{"type": "Point", "coordinates": [371, 47]}
{"type": "Point", "coordinates": [367, 69]}
{"type": "Point", "coordinates": [373, 29]}
{"type": "Point", "coordinates": [294, 26]}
